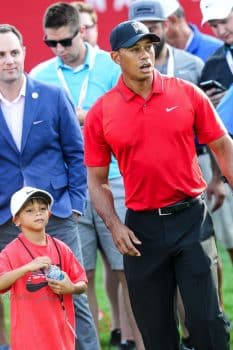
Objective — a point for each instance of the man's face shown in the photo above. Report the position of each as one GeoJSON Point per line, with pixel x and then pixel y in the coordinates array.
{"type": "Point", "coordinates": [12, 56]}
{"type": "Point", "coordinates": [69, 54]}
{"type": "Point", "coordinates": [91, 31]}
{"type": "Point", "coordinates": [223, 29]}
{"type": "Point", "coordinates": [137, 62]}
{"type": "Point", "coordinates": [157, 28]}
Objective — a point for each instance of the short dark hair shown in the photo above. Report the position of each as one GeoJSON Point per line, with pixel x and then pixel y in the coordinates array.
{"type": "Point", "coordinates": [61, 14]}
{"type": "Point", "coordinates": [8, 28]}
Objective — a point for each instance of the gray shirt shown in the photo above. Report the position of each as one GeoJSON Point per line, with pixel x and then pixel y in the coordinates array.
{"type": "Point", "coordinates": [185, 65]}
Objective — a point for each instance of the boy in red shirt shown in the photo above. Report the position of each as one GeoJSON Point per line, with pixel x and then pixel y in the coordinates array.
{"type": "Point", "coordinates": [42, 313]}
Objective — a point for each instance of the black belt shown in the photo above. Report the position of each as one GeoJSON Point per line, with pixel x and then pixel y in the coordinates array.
{"type": "Point", "coordinates": [174, 208]}
{"type": "Point", "coordinates": [201, 150]}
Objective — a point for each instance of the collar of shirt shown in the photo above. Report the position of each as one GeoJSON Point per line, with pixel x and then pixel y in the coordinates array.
{"type": "Point", "coordinates": [228, 47]}
{"type": "Point", "coordinates": [22, 93]}
{"type": "Point", "coordinates": [86, 64]}
{"type": "Point", "coordinates": [190, 38]}
{"type": "Point", "coordinates": [157, 86]}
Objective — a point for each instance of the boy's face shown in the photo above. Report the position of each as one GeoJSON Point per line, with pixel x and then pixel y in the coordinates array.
{"type": "Point", "coordinates": [33, 216]}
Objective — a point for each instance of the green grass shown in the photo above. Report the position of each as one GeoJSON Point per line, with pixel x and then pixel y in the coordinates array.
{"type": "Point", "coordinates": [105, 322]}
{"type": "Point", "coordinates": [227, 294]}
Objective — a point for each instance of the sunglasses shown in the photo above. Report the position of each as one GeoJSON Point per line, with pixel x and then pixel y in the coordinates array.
{"type": "Point", "coordinates": [64, 42]}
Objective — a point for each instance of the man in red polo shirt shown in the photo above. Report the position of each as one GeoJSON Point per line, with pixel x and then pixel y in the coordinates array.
{"type": "Point", "coordinates": [148, 121]}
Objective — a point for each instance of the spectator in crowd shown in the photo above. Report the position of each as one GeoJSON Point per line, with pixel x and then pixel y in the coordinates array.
{"type": "Point", "coordinates": [88, 19]}
{"type": "Point", "coordinates": [168, 236]}
{"type": "Point", "coordinates": [78, 67]}
{"type": "Point", "coordinates": [41, 145]}
{"type": "Point", "coordinates": [186, 36]}
{"type": "Point", "coordinates": [168, 60]}
{"type": "Point", "coordinates": [42, 273]}
{"type": "Point", "coordinates": [219, 15]}
{"type": "Point", "coordinates": [225, 110]}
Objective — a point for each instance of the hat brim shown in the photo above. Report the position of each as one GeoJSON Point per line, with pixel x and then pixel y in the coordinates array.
{"type": "Point", "coordinates": [148, 19]}
{"type": "Point", "coordinates": [132, 41]}
{"type": "Point", "coordinates": [38, 194]}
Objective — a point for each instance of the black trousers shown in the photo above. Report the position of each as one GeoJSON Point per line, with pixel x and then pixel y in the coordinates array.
{"type": "Point", "coordinates": [177, 249]}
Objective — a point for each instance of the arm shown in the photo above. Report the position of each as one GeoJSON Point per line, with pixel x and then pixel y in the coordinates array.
{"type": "Point", "coordinates": [223, 151]}
{"type": "Point", "coordinates": [103, 201]}
{"type": "Point", "coordinates": [9, 278]}
{"type": "Point", "coordinates": [215, 186]}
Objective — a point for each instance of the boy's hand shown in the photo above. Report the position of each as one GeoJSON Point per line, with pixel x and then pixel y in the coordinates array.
{"type": "Point", "coordinates": [40, 262]}
{"type": "Point", "coordinates": [65, 286]}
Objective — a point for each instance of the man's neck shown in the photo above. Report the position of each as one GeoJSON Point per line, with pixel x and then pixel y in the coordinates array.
{"type": "Point", "coordinates": [142, 88]}
{"type": "Point", "coordinates": [11, 90]}
{"type": "Point", "coordinates": [38, 238]}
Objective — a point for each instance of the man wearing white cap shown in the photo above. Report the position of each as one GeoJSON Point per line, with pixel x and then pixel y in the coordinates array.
{"type": "Point", "coordinates": [219, 15]}
{"type": "Point", "coordinates": [219, 67]}
{"type": "Point", "coordinates": [187, 36]}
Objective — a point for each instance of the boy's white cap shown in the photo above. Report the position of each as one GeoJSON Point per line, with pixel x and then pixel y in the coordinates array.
{"type": "Point", "coordinates": [169, 6]}
{"type": "Point", "coordinates": [215, 9]}
{"type": "Point", "coordinates": [20, 197]}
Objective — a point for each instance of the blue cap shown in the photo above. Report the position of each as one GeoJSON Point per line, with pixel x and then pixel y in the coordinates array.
{"type": "Point", "coordinates": [128, 33]}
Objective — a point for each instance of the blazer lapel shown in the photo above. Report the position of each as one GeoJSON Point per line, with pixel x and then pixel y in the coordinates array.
{"type": "Point", "coordinates": [6, 134]}
{"type": "Point", "coordinates": [31, 102]}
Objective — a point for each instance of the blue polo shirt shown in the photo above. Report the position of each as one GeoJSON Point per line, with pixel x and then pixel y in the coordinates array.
{"type": "Point", "coordinates": [225, 110]}
{"type": "Point", "coordinates": [202, 45]}
{"type": "Point", "coordinates": [98, 68]}
{"type": "Point", "coordinates": [102, 74]}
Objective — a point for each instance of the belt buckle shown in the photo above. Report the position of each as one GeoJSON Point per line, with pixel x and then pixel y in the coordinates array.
{"type": "Point", "coordinates": [163, 214]}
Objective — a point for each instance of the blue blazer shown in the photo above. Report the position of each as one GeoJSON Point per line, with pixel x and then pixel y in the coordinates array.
{"type": "Point", "coordinates": [51, 155]}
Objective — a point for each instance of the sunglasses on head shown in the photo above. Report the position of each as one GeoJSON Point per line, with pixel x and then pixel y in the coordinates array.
{"type": "Point", "coordinates": [64, 42]}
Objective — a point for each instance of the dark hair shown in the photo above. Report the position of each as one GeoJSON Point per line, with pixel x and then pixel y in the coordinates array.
{"type": "Point", "coordinates": [86, 8]}
{"type": "Point", "coordinates": [8, 28]}
{"type": "Point", "coordinates": [61, 14]}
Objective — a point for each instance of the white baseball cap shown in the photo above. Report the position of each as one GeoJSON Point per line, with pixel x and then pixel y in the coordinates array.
{"type": "Point", "coordinates": [169, 6]}
{"type": "Point", "coordinates": [215, 9]}
{"type": "Point", "coordinates": [20, 197]}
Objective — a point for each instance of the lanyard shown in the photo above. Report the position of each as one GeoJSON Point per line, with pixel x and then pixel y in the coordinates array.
{"type": "Point", "coordinates": [170, 62]}
{"type": "Point", "coordinates": [84, 85]}
{"type": "Point", "coordinates": [60, 297]}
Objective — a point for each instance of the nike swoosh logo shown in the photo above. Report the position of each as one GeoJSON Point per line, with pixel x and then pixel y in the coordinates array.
{"type": "Point", "coordinates": [169, 109]}
{"type": "Point", "coordinates": [35, 287]}
{"type": "Point", "coordinates": [37, 122]}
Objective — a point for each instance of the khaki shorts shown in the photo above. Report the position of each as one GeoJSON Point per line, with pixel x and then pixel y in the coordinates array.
{"type": "Point", "coordinates": [223, 217]}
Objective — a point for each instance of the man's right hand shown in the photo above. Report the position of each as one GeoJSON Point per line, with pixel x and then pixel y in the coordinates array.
{"type": "Point", "coordinates": [125, 240]}
{"type": "Point", "coordinates": [215, 97]}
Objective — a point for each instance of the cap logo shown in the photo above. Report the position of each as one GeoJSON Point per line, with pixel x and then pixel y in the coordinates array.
{"type": "Point", "coordinates": [28, 192]}
{"type": "Point", "coordinates": [136, 26]}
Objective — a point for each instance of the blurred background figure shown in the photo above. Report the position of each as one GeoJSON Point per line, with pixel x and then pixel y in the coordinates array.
{"type": "Point", "coordinates": [184, 35]}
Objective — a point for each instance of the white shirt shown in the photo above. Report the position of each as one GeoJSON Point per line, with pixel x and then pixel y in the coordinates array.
{"type": "Point", "coordinates": [13, 114]}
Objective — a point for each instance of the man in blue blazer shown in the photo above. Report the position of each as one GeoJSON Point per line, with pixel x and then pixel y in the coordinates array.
{"type": "Point", "coordinates": [41, 146]}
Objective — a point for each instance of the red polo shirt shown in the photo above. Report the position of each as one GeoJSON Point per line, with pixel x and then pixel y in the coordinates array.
{"type": "Point", "coordinates": [153, 139]}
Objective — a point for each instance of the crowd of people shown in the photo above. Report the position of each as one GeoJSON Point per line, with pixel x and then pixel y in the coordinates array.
{"type": "Point", "coordinates": [134, 164]}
